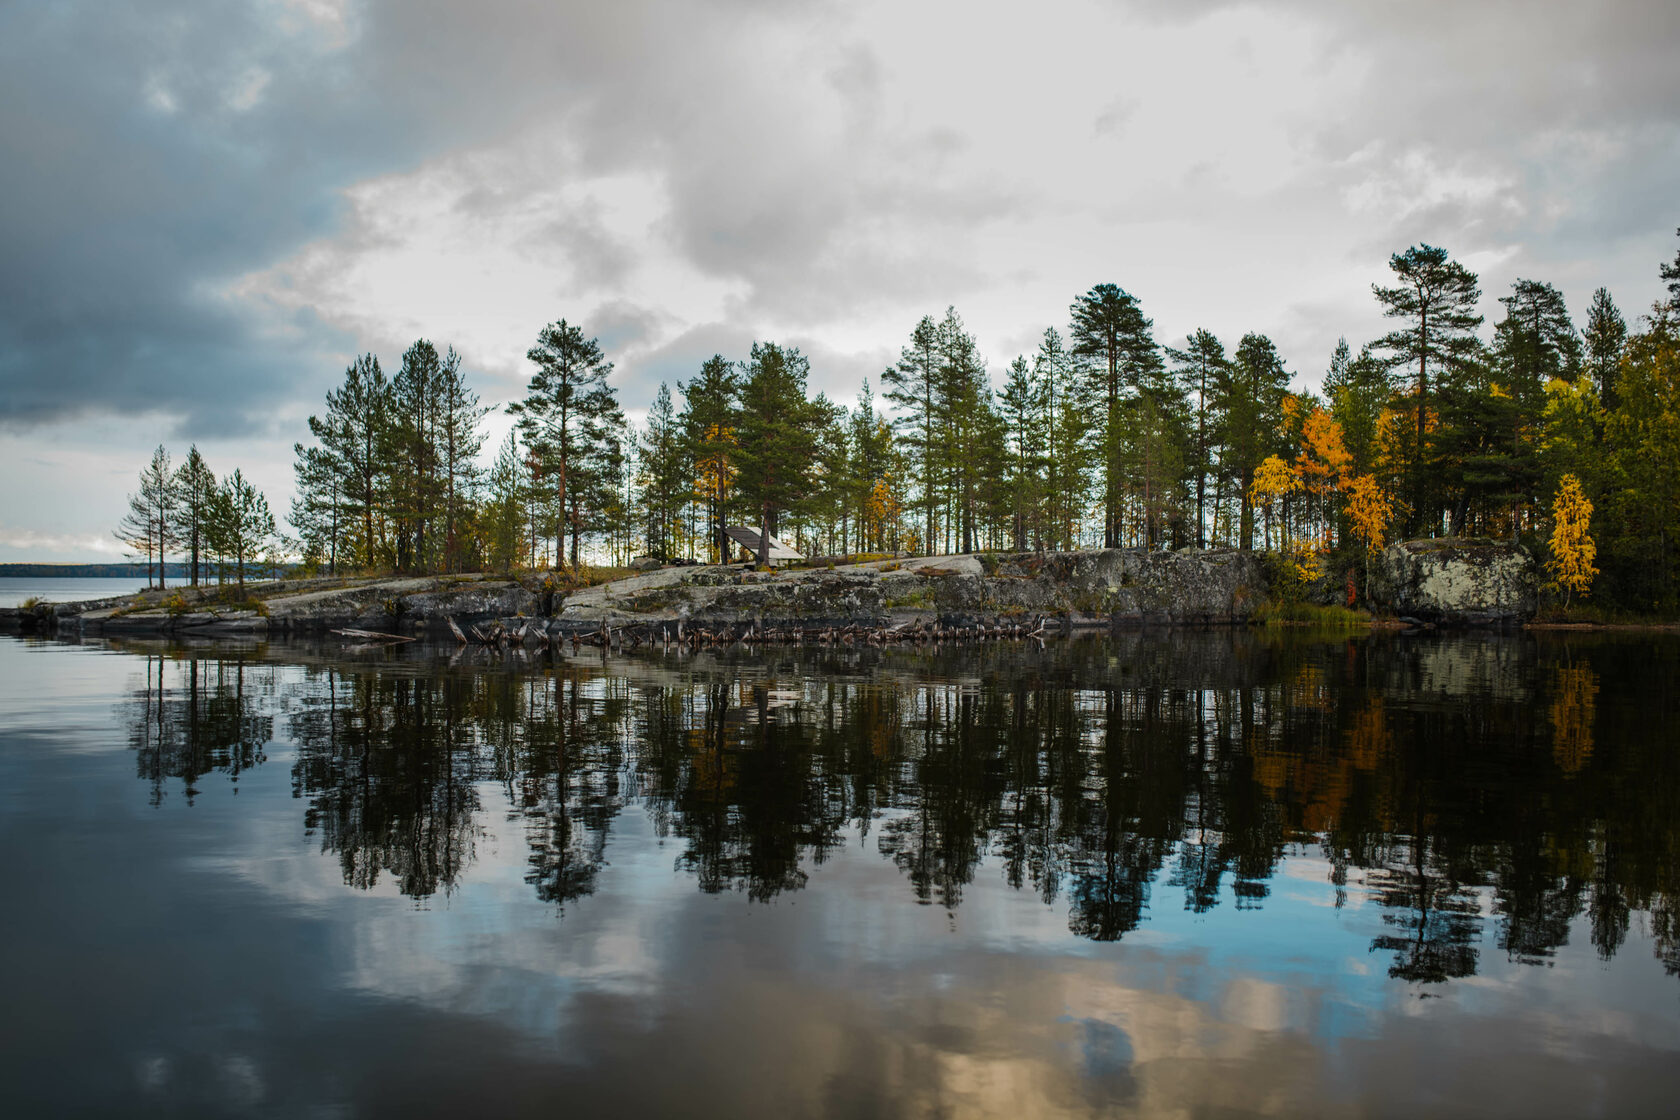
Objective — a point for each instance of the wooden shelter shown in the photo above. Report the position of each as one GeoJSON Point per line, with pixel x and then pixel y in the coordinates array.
{"type": "Point", "coordinates": [749, 540]}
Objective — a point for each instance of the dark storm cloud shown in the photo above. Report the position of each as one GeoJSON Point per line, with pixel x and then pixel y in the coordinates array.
{"type": "Point", "coordinates": [134, 182]}
{"type": "Point", "coordinates": [155, 152]}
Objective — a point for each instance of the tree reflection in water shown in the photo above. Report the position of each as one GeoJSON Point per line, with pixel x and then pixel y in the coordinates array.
{"type": "Point", "coordinates": [1483, 792]}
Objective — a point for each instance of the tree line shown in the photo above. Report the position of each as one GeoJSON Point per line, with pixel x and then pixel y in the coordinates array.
{"type": "Point", "coordinates": [222, 526]}
{"type": "Point", "coordinates": [1564, 438]}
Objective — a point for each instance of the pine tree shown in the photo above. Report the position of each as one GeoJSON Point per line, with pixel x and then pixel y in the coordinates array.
{"type": "Point", "coordinates": [778, 436]}
{"type": "Point", "coordinates": [1249, 398]}
{"type": "Point", "coordinates": [240, 523]}
{"type": "Point", "coordinates": [664, 478]}
{"type": "Point", "coordinates": [570, 419]}
{"type": "Point", "coordinates": [912, 387]}
{"type": "Point", "coordinates": [159, 499]}
{"type": "Point", "coordinates": [1022, 409]}
{"type": "Point", "coordinates": [352, 472]}
{"type": "Point", "coordinates": [195, 486]}
{"type": "Point", "coordinates": [874, 474]}
{"type": "Point", "coordinates": [1110, 331]}
{"type": "Point", "coordinates": [710, 419]}
{"type": "Point", "coordinates": [410, 453]}
{"type": "Point", "coordinates": [1358, 390]}
{"type": "Point", "coordinates": [962, 423]}
{"type": "Point", "coordinates": [505, 511]}
{"type": "Point", "coordinates": [318, 505]}
{"type": "Point", "coordinates": [1437, 298]}
{"type": "Point", "coordinates": [460, 441]}
{"type": "Point", "coordinates": [1200, 365]}
{"type": "Point", "coordinates": [1644, 437]}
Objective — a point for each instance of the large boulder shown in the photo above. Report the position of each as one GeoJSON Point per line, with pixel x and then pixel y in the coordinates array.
{"type": "Point", "coordinates": [1457, 581]}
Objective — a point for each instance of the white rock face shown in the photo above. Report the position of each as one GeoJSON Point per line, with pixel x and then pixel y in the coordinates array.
{"type": "Point", "coordinates": [1457, 581]}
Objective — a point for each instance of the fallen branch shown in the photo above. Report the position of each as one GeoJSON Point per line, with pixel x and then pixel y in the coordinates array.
{"type": "Point", "coordinates": [374, 635]}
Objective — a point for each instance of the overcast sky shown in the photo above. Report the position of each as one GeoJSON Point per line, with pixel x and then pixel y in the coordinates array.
{"type": "Point", "coordinates": [209, 209]}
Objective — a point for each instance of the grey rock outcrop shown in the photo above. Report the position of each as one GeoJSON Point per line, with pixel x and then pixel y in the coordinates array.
{"type": "Point", "coordinates": [1083, 589]}
{"type": "Point", "coordinates": [1457, 582]}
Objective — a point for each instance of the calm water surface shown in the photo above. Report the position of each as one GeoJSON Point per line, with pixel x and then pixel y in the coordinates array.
{"type": "Point", "coordinates": [62, 589]}
{"type": "Point", "coordinates": [1197, 874]}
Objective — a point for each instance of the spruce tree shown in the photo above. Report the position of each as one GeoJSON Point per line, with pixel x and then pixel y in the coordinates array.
{"type": "Point", "coordinates": [1605, 337]}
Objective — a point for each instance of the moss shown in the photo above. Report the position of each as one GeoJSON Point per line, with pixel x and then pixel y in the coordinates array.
{"type": "Point", "coordinates": [1312, 615]}
{"type": "Point", "coordinates": [921, 597]}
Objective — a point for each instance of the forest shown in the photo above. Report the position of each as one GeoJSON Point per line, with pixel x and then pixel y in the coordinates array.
{"type": "Point", "coordinates": [1560, 437]}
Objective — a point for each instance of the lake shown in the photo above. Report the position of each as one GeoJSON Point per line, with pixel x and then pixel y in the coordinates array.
{"type": "Point", "coordinates": [14, 590]}
{"type": "Point", "coordinates": [1188, 873]}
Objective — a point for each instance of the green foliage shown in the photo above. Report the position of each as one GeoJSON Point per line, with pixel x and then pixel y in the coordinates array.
{"type": "Point", "coordinates": [1436, 299]}
{"type": "Point", "coordinates": [1090, 438]}
{"type": "Point", "coordinates": [1298, 612]}
{"type": "Point", "coordinates": [571, 422]}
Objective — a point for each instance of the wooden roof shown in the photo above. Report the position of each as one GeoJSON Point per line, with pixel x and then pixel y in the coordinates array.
{"type": "Point", "coordinates": [748, 538]}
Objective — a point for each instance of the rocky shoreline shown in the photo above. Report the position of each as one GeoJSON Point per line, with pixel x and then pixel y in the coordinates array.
{"type": "Point", "coordinates": [978, 595]}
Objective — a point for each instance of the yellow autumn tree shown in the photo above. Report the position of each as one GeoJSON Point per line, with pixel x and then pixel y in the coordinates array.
{"type": "Point", "coordinates": [1573, 550]}
{"type": "Point", "coordinates": [1369, 509]}
{"type": "Point", "coordinates": [1273, 479]}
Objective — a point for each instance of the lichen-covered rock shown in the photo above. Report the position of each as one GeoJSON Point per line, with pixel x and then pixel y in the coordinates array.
{"type": "Point", "coordinates": [1094, 588]}
{"type": "Point", "coordinates": [1457, 582]}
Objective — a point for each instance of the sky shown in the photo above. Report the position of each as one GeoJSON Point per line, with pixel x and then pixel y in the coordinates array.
{"type": "Point", "coordinates": [209, 210]}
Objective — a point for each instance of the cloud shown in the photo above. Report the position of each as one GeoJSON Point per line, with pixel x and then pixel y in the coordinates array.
{"type": "Point", "coordinates": [29, 540]}
{"type": "Point", "coordinates": [209, 211]}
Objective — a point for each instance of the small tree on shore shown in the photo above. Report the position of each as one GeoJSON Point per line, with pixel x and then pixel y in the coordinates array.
{"type": "Point", "coordinates": [195, 486]}
{"type": "Point", "coordinates": [240, 523]}
{"type": "Point", "coordinates": [1369, 510]}
{"type": "Point", "coordinates": [1573, 550]}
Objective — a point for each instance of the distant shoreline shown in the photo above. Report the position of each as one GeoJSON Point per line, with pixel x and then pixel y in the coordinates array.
{"type": "Point", "coordinates": [174, 570]}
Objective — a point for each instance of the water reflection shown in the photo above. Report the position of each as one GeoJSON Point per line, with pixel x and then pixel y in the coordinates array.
{"type": "Point", "coordinates": [1484, 793]}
